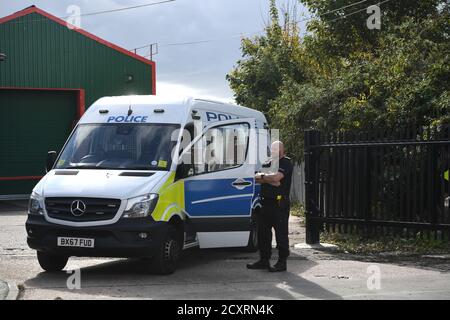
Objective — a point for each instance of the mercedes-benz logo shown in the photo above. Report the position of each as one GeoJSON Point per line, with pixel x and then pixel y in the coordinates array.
{"type": "Point", "coordinates": [78, 208]}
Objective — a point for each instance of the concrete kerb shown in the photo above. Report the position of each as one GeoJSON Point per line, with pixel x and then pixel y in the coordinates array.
{"type": "Point", "coordinates": [316, 246]}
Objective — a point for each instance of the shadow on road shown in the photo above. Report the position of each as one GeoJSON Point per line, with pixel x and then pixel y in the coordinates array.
{"type": "Point", "coordinates": [11, 208]}
{"type": "Point", "coordinates": [202, 274]}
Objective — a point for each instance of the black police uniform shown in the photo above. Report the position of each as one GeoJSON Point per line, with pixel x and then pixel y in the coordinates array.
{"type": "Point", "coordinates": [275, 214]}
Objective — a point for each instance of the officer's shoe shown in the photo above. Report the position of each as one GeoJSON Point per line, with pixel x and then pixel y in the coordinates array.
{"type": "Point", "coordinates": [280, 266]}
{"type": "Point", "coordinates": [259, 265]}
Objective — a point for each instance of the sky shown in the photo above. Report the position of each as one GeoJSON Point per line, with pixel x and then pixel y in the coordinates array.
{"type": "Point", "coordinates": [195, 69]}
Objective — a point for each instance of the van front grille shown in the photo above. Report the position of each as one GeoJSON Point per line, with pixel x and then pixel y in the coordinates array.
{"type": "Point", "coordinates": [82, 209]}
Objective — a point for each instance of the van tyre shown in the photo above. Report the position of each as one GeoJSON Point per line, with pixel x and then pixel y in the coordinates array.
{"type": "Point", "coordinates": [166, 259]}
{"type": "Point", "coordinates": [253, 245]}
{"type": "Point", "coordinates": [51, 262]}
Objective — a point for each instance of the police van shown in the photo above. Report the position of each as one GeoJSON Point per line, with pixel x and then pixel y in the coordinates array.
{"type": "Point", "coordinates": [147, 177]}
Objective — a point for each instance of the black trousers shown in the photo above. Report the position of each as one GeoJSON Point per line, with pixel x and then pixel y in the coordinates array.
{"type": "Point", "coordinates": [274, 214]}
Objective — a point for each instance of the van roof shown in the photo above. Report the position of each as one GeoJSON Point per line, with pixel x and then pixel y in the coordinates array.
{"type": "Point", "coordinates": [143, 100]}
{"type": "Point", "coordinates": [173, 104]}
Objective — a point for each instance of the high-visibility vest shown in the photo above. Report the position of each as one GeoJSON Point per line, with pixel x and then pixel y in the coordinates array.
{"type": "Point", "coordinates": [446, 175]}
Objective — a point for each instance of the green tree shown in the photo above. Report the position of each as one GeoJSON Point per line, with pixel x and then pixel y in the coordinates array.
{"type": "Point", "coordinates": [353, 78]}
{"type": "Point", "coordinates": [267, 61]}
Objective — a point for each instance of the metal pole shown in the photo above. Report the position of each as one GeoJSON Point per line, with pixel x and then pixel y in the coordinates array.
{"type": "Point", "coordinates": [312, 138]}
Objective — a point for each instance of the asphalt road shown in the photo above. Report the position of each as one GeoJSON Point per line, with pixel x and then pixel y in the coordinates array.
{"type": "Point", "coordinates": [220, 274]}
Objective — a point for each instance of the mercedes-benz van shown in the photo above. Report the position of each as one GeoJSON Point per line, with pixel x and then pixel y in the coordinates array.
{"type": "Point", "coordinates": [148, 176]}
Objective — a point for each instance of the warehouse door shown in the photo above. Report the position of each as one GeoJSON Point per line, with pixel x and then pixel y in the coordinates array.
{"type": "Point", "coordinates": [31, 123]}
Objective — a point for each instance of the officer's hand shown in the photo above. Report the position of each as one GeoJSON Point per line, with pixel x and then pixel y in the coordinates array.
{"type": "Point", "coordinates": [258, 178]}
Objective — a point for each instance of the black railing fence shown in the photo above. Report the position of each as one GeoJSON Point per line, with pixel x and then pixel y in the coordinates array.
{"type": "Point", "coordinates": [392, 183]}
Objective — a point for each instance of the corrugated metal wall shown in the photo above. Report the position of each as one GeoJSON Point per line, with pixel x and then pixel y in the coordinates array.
{"type": "Point", "coordinates": [41, 53]}
{"type": "Point", "coordinates": [44, 54]}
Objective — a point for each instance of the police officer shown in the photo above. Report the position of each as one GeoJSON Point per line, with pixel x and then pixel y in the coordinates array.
{"type": "Point", "coordinates": [275, 189]}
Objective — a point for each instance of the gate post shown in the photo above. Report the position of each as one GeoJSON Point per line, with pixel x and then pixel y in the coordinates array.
{"type": "Point", "coordinates": [312, 138]}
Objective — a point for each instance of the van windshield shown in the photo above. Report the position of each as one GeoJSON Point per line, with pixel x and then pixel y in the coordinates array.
{"type": "Point", "coordinates": [120, 146]}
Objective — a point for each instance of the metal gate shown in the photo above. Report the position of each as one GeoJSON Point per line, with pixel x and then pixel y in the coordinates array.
{"type": "Point", "coordinates": [378, 183]}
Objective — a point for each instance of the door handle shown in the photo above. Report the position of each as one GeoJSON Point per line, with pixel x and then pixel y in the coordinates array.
{"type": "Point", "coordinates": [241, 184]}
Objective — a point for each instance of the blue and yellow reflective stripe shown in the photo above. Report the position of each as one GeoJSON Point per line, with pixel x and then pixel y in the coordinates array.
{"type": "Point", "coordinates": [171, 199]}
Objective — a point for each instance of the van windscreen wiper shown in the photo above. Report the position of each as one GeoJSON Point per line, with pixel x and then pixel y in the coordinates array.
{"type": "Point", "coordinates": [90, 167]}
{"type": "Point", "coordinates": [140, 168]}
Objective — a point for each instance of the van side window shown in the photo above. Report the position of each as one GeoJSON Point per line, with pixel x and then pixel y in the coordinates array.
{"type": "Point", "coordinates": [221, 148]}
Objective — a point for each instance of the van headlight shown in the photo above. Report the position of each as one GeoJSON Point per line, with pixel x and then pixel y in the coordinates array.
{"type": "Point", "coordinates": [35, 205]}
{"type": "Point", "coordinates": [140, 207]}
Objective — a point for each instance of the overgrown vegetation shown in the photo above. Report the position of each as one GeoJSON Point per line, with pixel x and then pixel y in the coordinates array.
{"type": "Point", "coordinates": [297, 210]}
{"type": "Point", "coordinates": [342, 76]}
{"type": "Point", "coordinates": [357, 245]}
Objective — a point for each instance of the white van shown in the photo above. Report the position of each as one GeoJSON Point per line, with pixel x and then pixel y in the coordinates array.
{"type": "Point", "coordinates": [128, 182]}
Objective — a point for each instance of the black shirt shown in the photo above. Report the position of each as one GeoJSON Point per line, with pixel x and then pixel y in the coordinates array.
{"type": "Point", "coordinates": [269, 191]}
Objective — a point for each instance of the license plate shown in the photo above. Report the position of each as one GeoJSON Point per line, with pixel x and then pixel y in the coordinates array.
{"type": "Point", "coordinates": [75, 242]}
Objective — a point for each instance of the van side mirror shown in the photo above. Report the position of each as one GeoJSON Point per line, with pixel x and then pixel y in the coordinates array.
{"type": "Point", "coordinates": [183, 170]}
{"type": "Point", "coordinates": [51, 158]}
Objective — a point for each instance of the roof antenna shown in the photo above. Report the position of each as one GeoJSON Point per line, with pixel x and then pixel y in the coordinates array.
{"type": "Point", "coordinates": [130, 111]}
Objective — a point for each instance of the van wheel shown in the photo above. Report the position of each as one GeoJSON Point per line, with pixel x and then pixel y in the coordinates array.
{"type": "Point", "coordinates": [51, 262]}
{"type": "Point", "coordinates": [253, 244]}
{"type": "Point", "coordinates": [166, 259]}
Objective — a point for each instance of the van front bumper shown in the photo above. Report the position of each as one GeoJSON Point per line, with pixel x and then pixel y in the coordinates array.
{"type": "Point", "coordinates": [118, 240]}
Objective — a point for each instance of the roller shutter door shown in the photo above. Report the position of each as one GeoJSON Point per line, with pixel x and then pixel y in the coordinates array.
{"type": "Point", "coordinates": [32, 122]}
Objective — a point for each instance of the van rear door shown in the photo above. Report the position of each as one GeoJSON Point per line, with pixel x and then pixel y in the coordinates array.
{"type": "Point", "coordinates": [220, 188]}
